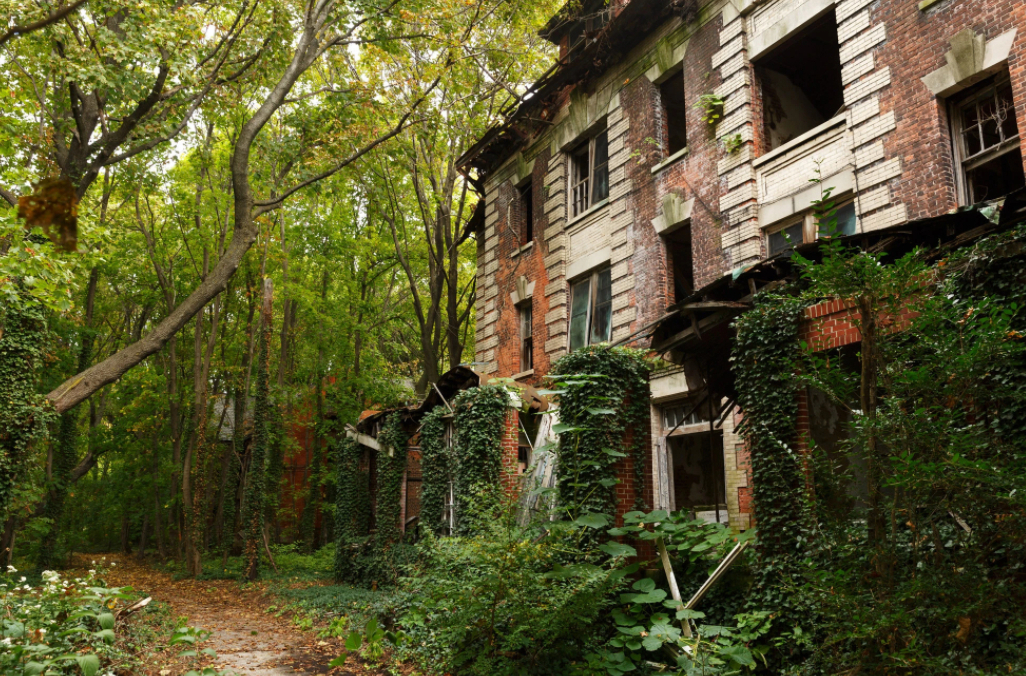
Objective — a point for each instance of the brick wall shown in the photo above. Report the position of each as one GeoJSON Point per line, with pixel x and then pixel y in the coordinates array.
{"type": "Point", "coordinates": [510, 447]}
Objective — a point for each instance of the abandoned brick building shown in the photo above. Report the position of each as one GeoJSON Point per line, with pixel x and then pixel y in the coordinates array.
{"type": "Point", "coordinates": [636, 193]}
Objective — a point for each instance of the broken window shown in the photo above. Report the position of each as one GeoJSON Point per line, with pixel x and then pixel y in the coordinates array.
{"type": "Point", "coordinates": [675, 110]}
{"type": "Point", "coordinates": [589, 177]}
{"type": "Point", "coordinates": [801, 82]}
{"type": "Point", "coordinates": [678, 254]}
{"type": "Point", "coordinates": [526, 438]}
{"type": "Point", "coordinates": [987, 141]}
{"type": "Point", "coordinates": [591, 309]}
{"type": "Point", "coordinates": [526, 208]}
{"type": "Point", "coordinates": [697, 481]}
{"type": "Point", "coordinates": [808, 228]}
{"type": "Point", "coordinates": [526, 337]}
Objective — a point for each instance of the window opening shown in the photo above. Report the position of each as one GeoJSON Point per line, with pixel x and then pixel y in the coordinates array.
{"type": "Point", "coordinates": [698, 478]}
{"type": "Point", "coordinates": [591, 309]}
{"type": "Point", "coordinates": [808, 228]}
{"type": "Point", "coordinates": [987, 141]}
{"type": "Point", "coordinates": [526, 198]}
{"type": "Point", "coordinates": [527, 436]}
{"type": "Point", "coordinates": [679, 265]}
{"type": "Point", "coordinates": [675, 110]}
{"type": "Point", "coordinates": [801, 82]}
{"type": "Point", "coordinates": [590, 172]}
{"type": "Point", "coordinates": [674, 415]}
{"type": "Point", "coordinates": [526, 337]}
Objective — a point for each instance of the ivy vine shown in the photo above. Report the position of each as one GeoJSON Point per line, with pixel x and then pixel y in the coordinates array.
{"type": "Point", "coordinates": [24, 413]}
{"type": "Point", "coordinates": [479, 415]}
{"type": "Point", "coordinates": [435, 469]}
{"type": "Point", "coordinates": [604, 417]}
{"type": "Point", "coordinates": [253, 509]}
{"type": "Point", "coordinates": [391, 466]}
{"type": "Point", "coordinates": [352, 504]}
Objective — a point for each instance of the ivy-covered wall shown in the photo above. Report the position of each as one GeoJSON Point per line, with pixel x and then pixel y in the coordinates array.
{"type": "Point", "coordinates": [391, 466]}
{"type": "Point", "coordinates": [604, 443]}
{"type": "Point", "coordinates": [479, 421]}
{"type": "Point", "coordinates": [436, 470]}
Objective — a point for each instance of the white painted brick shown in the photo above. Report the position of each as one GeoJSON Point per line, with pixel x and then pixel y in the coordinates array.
{"type": "Point", "coordinates": [857, 68]}
{"type": "Point", "coordinates": [553, 288]}
{"type": "Point", "coordinates": [730, 237]}
{"type": "Point", "coordinates": [731, 161]}
{"type": "Point", "coordinates": [853, 26]}
{"type": "Point", "coordinates": [488, 343]}
{"type": "Point", "coordinates": [736, 100]}
{"type": "Point", "coordinates": [732, 84]}
{"type": "Point", "coordinates": [619, 270]}
{"type": "Point", "coordinates": [732, 30]}
{"type": "Point", "coordinates": [732, 65]}
{"type": "Point", "coordinates": [740, 176]}
{"type": "Point", "coordinates": [738, 196]}
{"type": "Point", "coordinates": [491, 242]}
{"type": "Point", "coordinates": [555, 172]}
{"type": "Point", "coordinates": [557, 328]}
{"type": "Point", "coordinates": [871, 200]}
{"type": "Point", "coordinates": [553, 344]}
{"type": "Point", "coordinates": [863, 42]}
{"type": "Point", "coordinates": [623, 285]}
{"type": "Point", "coordinates": [884, 218]}
{"type": "Point", "coordinates": [729, 124]}
{"type": "Point", "coordinates": [554, 203]}
{"type": "Point", "coordinates": [554, 231]}
{"type": "Point", "coordinates": [554, 259]}
{"type": "Point", "coordinates": [620, 302]}
{"type": "Point", "coordinates": [730, 50]}
{"type": "Point", "coordinates": [490, 367]}
{"type": "Point", "coordinates": [622, 253]}
{"type": "Point", "coordinates": [847, 8]}
{"type": "Point", "coordinates": [491, 219]}
{"type": "Point", "coordinates": [555, 314]}
{"type": "Point", "coordinates": [487, 355]}
{"type": "Point", "coordinates": [874, 129]}
{"type": "Point", "coordinates": [556, 243]}
{"type": "Point", "coordinates": [620, 333]}
{"type": "Point", "coordinates": [557, 299]}
{"type": "Point", "coordinates": [873, 83]}
{"type": "Point", "coordinates": [866, 155]}
{"type": "Point", "coordinates": [491, 267]}
{"type": "Point", "coordinates": [863, 110]}
{"type": "Point", "coordinates": [625, 316]}
{"type": "Point", "coordinates": [879, 173]}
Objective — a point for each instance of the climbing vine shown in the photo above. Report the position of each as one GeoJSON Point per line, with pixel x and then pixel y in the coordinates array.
{"type": "Point", "coordinates": [435, 469]}
{"type": "Point", "coordinates": [391, 466]}
{"type": "Point", "coordinates": [478, 419]}
{"type": "Point", "coordinates": [765, 361]}
{"type": "Point", "coordinates": [253, 511]}
{"type": "Point", "coordinates": [604, 416]}
{"type": "Point", "coordinates": [348, 508]}
{"type": "Point", "coordinates": [24, 414]}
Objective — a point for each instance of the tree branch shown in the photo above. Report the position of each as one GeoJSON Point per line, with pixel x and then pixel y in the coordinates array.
{"type": "Point", "coordinates": [42, 23]}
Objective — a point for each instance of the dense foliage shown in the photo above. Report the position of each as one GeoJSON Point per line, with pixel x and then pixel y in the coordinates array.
{"type": "Point", "coordinates": [436, 470]}
{"type": "Point", "coordinates": [391, 468]}
{"type": "Point", "coordinates": [604, 414]}
{"type": "Point", "coordinates": [478, 473]}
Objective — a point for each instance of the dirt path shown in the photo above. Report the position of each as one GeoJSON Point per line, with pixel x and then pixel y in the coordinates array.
{"type": "Point", "coordinates": [248, 640]}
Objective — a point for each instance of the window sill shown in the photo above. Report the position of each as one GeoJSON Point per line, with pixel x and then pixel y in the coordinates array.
{"type": "Point", "coordinates": [589, 211]}
{"type": "Point", "coordinates": [672, 159]}
{"type": "Point", "coordinates": [522, 249]}
{"type": "Point", "coordinates": [523, 374]}
{"type": "Point", "coordinates": [794, 143]}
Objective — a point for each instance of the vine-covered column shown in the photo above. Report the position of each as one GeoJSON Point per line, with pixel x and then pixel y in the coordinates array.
{"type": "Point", "coordinates": [479, 420]}
{"type": "Point", "coordinates": [391, 468]}
{"type": "Point", "coordinates": [253, 519]}
{"type": "Point", "coordinates": [435, 469]}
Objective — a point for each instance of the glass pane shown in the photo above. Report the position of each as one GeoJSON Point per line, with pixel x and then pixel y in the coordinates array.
{"type": "Point", "coordinates": [600, 190]}
{"type": "Point", "coordinates": [970, 116]}
{"type": "Point", "coordinates": [602, 319]}
{"type": "Point", "coordinates": [579, 314]}
{"type": "Point", "coordinates": [785, 239]}
{"type": "Point", "coordinates": [998, 177]}
{"type": "Point", "coordinates": [1009, 128]}
{"type": "Point", "coordinates": [845, 221]}
{"type": "Point", "coordinates": [580, 160]}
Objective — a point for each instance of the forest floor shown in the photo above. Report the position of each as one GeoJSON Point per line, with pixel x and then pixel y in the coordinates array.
{"type": "Point", "coordinates": [248, 636]}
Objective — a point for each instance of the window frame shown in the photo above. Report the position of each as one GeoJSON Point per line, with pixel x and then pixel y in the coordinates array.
{"type": "Point", "coordinates": [525, 203]}
{"type": "Point", "coordinates": [582, 187]}
{"type": "Point", "coordinates": [964, 162]}
{"type": "Point", "coordinates": [810, 226]}
{"type": "Point", "coordinates": [525, 327]}
{"type": "Point", "coordinates": [592, 279]}
{"type": "Point", "coordinates": [677, 76]}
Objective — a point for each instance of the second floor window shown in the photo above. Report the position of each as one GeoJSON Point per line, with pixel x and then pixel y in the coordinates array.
{"type": "Point", "coordinates": [526, 337]}
{"type": "Point", "coordinates": [809, 229]}
{"type": "Point", "coordinates": [591, 309]}
{"type": "Point", "coordinates": [987, 141]}
{"type": "Point", "coordinates": [526, 197]}
{"type": "Point", "coordinates": [589, 173]}
{"type": "Point", "coordinates": [675, 109]}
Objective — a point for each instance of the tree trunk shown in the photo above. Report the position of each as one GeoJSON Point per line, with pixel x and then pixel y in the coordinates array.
{"type": "Point", "coordinates": [254, 522]}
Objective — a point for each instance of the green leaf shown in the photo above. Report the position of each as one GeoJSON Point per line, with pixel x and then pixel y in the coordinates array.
{"type": "Point", "coordinates": [601, 411]}
{"type": "Point", "coordinates": [106, 621]}
{"type": "Point", "coordinates": [105, 635]}
{"type": "Point", "coordinates": [652, 643]}
{"type": "Point", "coordinates": [616, 549]}
{"type": "Point", "coordinates": [354, 641]}
{"type": "Point", "coordinates": [592, 520]}
{"type": "Point", "coordinates": [339, 661]}
{"type": "Point", "coordinates": [89, 664]}
{"type": "Point", "coordinates": [645, 584]}
{"type": "Point", "coordinates": [33, 668]}
{"type": "Point", "coordinates": [565, 428]}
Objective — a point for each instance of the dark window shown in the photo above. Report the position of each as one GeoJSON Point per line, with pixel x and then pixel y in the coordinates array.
{"type": "Point", "coordinates": [675, 110]}
{"type": "Point", "coordinates": [678, 253]}
{"type": "Point", "coordinates": [698, 479]}
{"type": "Point", "coordinates": [526, 338]}
{"type": "Point", "coordinates": [785, 238]}
{"type": "Point", "coordinates": [801, 82]}
{"type": "Point", "coordinates": [805, 231]}
{"type": "Point", "coordinates": [526, 214]}
{"type": "Point", "coordinates": [589, 178]}
{"type": "Point", "coordinates": [591, 309]}
{"type": "Point", "coordinates": [987, 141]}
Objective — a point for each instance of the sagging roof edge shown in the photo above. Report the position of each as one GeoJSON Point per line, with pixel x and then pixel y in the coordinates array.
{"type": "Point", "coordinates": [625, 31]}
{"type": "Point", "coordinates": [451, 383]}
{"type": "Point", "coordinates": [940, 234]}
